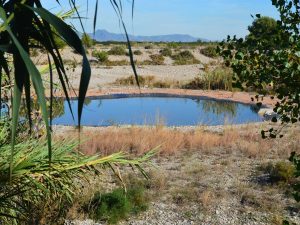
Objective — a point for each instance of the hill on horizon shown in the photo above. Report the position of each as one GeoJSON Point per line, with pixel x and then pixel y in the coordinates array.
{"type": "Point", "coordinates": [104, 35]}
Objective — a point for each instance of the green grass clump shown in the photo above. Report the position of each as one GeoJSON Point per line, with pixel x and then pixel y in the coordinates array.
{"type": "Point", "coordinates": [218, 79]}
{"type": "Point", "coordinates": [166, 52]}
{"type": "Point", "coordinates": [137, 52]}
{"type": "Point", "coordinates": [118, 205]}
{"type": "Point", "coordinates": [100, 55]}
{"type": "Point", "coordinates": [282, 171]}
{"type": "Point", "coordinates": [184, 58]}
{"type": "Point", "coordinates": [209, 51]}
{"type": "Point", "coordinates": [117, 50]}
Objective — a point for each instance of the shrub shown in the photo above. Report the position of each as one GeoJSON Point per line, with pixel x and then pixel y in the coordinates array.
{"type": "Point", "coordinates": [149, 81]}
{"type": "Point", "coordinates": [117, 63]}
{"type": "Point", "coordinates": [137, 52]}
{"type": "Point", "coordinates": [173, 45]}
{"type": "Point", "coordinates": [100, 55]}
{"type": "Point", "coordinates": [281, 171]}
{"type": "Point", "coordinates": [185, 58]}
{"type": "Point", "coordinates": [117, 205]}
{"type": "Point", "coordinates": [196, 83]}
{"type": "Point", "coordinates": [209, 51]}
{"type": "Point", "coordinates": [87, 40]}
{"type": "Point", "coordinates": [149, 47]}
{"type": "Point", "coordinates": [219, 78]}
{"type": "Point", "coordinates": [131, 80]}
{"type": "Point", "coordinates": [117, 50]}
{"type": "Point", "coordinates": [161, 84]}
{"type": "Point", "coordinates": [157, 59]}
{"type": "Point", "coordinates": [166, 52]}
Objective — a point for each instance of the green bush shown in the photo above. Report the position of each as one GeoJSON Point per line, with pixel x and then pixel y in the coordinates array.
{"type": "Point", "coordinates": [282, 171]}
{"type": "Point", "coordinates": [87, 40]}
{"type": "Point", "coordinates": [117, 205]}
{"type": "Point", "coordinates": [166, 52]}
{"type": "Point", "coordinates": [117, 50]}
{"type": "Point", "coordinates": [100, 55]}
{"type": "Point", "coordinates": [137, 52]}
{"type": "Point", "coordinates": [218, 79]}
{"type": "Point", "coordinates": [173, 45]}
{"type": "Point", "coordinates": [184, 58]}
{"type": "Point", "coordinates": [209, 51]}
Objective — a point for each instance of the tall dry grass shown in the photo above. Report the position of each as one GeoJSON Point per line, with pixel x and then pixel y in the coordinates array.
{"type": "Point", "coordinates": [138, 140]}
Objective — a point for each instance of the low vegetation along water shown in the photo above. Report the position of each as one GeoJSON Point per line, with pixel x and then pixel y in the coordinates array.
{"type": "Point", "coordinates": [169, 111]}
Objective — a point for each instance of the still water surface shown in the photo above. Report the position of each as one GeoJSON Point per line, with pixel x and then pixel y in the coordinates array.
{"type": "Point", "coordinates": [170, 111]}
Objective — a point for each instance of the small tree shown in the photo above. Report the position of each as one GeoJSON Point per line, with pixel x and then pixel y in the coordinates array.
{"type": "Point", "coordinates": [267, 32]}
{"type": "Point", "coordinates": [259, 66]}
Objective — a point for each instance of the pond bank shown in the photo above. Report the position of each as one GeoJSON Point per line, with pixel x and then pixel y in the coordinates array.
{"type": "Point", "coordinates": [239, 97]}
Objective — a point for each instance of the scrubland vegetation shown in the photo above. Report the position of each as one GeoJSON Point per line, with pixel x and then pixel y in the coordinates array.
{"type": "Point", "coordinates": [206, 175]}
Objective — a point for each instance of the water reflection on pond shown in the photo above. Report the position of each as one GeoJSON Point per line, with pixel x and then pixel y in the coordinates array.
{"type": "Point", "coordinates": [171, 111]}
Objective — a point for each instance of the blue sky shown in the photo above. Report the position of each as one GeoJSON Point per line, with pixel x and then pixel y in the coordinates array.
{"type": "Point", "coordinates": [210, 19]}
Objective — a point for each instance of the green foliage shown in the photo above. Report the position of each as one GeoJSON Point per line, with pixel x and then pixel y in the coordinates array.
{"type": "Point", "coordinates": [87, 41]}
{"type": "Point", "coordinates": [166, 52]}
{"type": "Point", "coordinates": [209, 51]}
{"type": "Point", "coordinates": [37, 188]}
{"type": "Point", "coordinates": [60, 43]}
{"type": "Point", "coordinates": [266, 31]}
{"type": "Point", "coordinates": [281, 172]}
{"type": "Point", "coordinates": [137, 52]}
{"type": "Point", "coordinates": [218, 79]}
{"type": "Point", "coordinates": [117, 50]}
{"type": "Point", "coordinates": [118, 205]}
{"type": "Point", "coordinates": [101, 56]}
{"type": "Point", "coordinates": [29, 23]}
{"type": "Point", "coordinates": [257, 67]}
{"type": "Point", "coordinates": [295, 159]}
{"type": "Point", "coordinates": [184, 58]}
{"type": "Point", "coordinates": [173, 45]}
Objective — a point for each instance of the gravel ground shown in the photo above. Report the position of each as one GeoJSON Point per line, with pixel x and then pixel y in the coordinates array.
{"type": "Point", "coordinates": [218, 187]}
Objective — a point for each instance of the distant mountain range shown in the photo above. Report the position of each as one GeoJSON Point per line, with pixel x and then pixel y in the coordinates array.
{"type": "Point", "coordinates": [104, 35]}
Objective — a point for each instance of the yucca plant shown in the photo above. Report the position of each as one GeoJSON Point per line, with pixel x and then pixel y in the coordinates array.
{"type": "Point", "coordinates": [33, 172]}
{"type": "Point", "coordinates": [34, 184]}
{"type": "Point", "coordinates": [25, 22]}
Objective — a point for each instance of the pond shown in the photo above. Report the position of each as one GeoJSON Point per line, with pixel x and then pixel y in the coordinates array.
{"type": "Point", "coordinates": [153, 110]}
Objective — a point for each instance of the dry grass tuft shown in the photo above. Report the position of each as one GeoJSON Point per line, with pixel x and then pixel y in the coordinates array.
{"type": "Point", "coordinates": [138, 140]}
